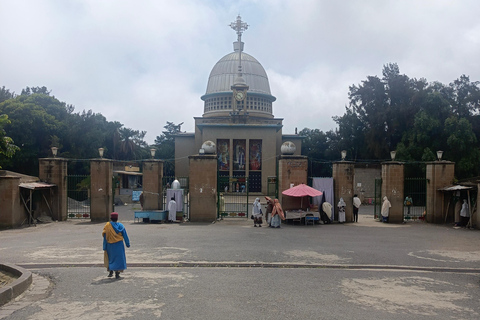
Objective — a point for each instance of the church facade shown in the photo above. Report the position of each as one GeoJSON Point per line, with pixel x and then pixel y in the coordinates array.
{"type": "Point", "coordinates": [238, 118]}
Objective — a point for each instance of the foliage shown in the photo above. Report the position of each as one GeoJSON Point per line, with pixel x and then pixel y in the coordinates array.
{"type": "Point", "coordinates": [165, 147]}
{"type": "Point", "coordinates": [7, 147]}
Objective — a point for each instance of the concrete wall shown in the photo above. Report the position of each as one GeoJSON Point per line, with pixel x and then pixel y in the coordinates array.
{"type": "Point", "coordinates": [343, 176]}
{"type": "Point", "coordinates": [439, 174]}
{"type": "Point", "coordinates": [292, 170]}
{"type": "Point", "coordinates": [152, 184]}
{"type": "Point", "coordinates": [101, 197]}
{"type": "Point", "coordinates": [12, 213]}
{"type": "Point", "coordinates": [364, 181]}
{"type": "Point", "coordinates": [203, 188]}
{"type": "Point", "coordinates": [392, 187]}
{"type": "Point", "coordinates": [54, 171]}
{"type": "Point", "coordinates": [184, 147]}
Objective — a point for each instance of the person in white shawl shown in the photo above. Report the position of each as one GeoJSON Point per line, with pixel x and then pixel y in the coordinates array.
{"type": "Point", "coordinates": [341, 210]}
{"type": "Point", "coordinates": [386, 209]}
{"type": "Point", "coordinates": [257, 213]}
{"type": "Point", "coordinates": [172, 210]}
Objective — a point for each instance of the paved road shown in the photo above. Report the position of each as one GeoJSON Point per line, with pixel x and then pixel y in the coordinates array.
{"type": "Point", "coordinates": [231, 270]}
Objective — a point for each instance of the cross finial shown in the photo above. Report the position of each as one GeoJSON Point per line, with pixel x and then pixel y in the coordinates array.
{"type": "Point", "coordinates": [239, 26]}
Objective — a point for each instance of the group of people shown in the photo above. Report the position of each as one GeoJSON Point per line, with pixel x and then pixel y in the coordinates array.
{"type": "Point", "coordinates": [273, 213]}
{"type": "Point", "coordinates": [327, 215]}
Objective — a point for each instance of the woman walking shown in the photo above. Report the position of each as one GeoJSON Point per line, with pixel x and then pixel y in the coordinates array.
{"type": "Point", "coordinates": [277, 214]}
{"type": "Point", "coordinates": [114, 234]}
{"type": "Point", "coordinates": [257, 213]}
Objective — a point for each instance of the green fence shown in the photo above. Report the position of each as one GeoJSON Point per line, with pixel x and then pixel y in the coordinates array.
{"type": "Point", "coordinates": [78, 197]}
{"type": "Point", "coordinates": [415, 202]}
{"type": "Point", "coordinates": [377, 201]}
{"type": "Point", "coordinates": [232, 197]}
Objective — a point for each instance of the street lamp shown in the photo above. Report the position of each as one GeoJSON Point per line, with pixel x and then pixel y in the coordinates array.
{"type": "Point", "coordinates": [344, 154]}
{"type": "Point", "coordinates": [439, 155]}
{"type": "Point", "coordinates": [100, 152]}
{"type": "Point", "coordinates": [54, 151]}
{"type": "Point", "coordinates": [152, 152]}
{"type": "Point", "coordinates": [393, 154]}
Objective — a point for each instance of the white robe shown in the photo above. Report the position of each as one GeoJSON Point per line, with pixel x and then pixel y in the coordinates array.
{"type": "Point", "coordinates": [172, 210]}
{"type": "Point", "coordinates": [386, 207]}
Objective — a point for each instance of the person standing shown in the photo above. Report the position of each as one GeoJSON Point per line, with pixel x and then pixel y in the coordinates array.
{"type": "Point", "coordinates": [257, 213]}
{"type": "Point", "coordinates": [114, 234]}
{"type": "Point", "coordinates": [268, 210]}
{"type": "Point", "coordinates": [356, 205]}
{"type": "Point", "coordinates": [341, 210]}
{"type": "Point", "coordinates": [464, 213]}
{"type": "Point", "coordinates": [408, 203]}
{"type": "Point", "coordinates": [386, 209]}
{"type": "Point", "coordinates": [277, 214]}
{"type": "Point", "coordinates": [172, 210]}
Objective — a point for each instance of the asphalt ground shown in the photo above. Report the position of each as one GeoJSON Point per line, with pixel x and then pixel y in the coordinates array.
{"type": "Point", "coordinates": [231, 270]}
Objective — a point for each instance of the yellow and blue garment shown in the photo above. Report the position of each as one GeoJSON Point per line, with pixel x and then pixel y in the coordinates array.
{"type": "Point", "coordinates": [114, 234]}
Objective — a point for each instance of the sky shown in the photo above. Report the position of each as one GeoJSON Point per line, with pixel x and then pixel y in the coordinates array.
{"type": "Point", "coordinates": [145, 62]}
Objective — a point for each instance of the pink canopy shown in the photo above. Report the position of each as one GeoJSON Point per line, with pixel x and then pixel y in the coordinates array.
{"type": "Point", "coordinates": [302, 190]}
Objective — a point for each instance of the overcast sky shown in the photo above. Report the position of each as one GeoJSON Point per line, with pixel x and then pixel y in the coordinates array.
{"type": "Point", "coordinates": [144, 63]}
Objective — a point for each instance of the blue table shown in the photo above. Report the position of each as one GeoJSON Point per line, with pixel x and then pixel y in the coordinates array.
{"type": "Point", "coordinates": [153, 215]}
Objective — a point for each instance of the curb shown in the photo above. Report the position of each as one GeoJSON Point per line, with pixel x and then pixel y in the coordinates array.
{"type": "Point", "coordinates": [18, 286]}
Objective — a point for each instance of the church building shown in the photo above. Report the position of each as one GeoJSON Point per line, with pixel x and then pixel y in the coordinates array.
{"type": "Point", "coordinates": [238, 118]}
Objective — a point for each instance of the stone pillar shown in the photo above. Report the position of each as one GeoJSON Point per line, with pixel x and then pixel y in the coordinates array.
{"type": "Point", "coordinates": [393, 180]}
{"type": "Point", "coordinates": [12, 213]}
{"type": "Point", "coordinates": [291, 170]}
{"type": "Point", "coordinates": [439, 174]}
{"type": "Point", "coordinates": [343, 176]}
{"type": "Point", "coordinates": [101, 184]}
{"type": "Point", "coordinates": [152, 184]}
{"type": "Point", "coordinates": [203, 187]}
{"type": "Point", "coordinates": [54, 171]}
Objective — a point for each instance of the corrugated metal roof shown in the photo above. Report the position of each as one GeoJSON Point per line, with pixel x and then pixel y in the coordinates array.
{"type": "Point", "coordinates": [455, 188]}
{"type": "Point", "coordinates": [36, 185]}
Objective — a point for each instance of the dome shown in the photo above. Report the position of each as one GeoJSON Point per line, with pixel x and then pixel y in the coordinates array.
{"type": "Point", "coordinates": [218, 98]}
{"type": "Point", "coordinates": [226, 70]}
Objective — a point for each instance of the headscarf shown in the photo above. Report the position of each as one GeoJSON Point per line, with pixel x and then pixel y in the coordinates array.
{"type": "Point", "coordinates": [341, 203]}
{"type": "Point", "coordinates": [256, 207]}
{"type": "Point", "coordinates": [277, 209]}
{"type": "Point", "coordinates": [386, 207]}
{"type": "Point", "coordinates": [464, 212]}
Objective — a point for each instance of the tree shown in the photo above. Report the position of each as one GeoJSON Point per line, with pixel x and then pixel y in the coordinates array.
{"type": "Point", "coordinates": [165, 145]}
{"type": "Point", "coordinates": [7, 147]}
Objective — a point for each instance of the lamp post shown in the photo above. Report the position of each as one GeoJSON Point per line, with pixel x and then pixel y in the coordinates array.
{"type": "Point", "coordinates": [393, 154]}
{"type": "Point", "coordinates": [54, 151]}
{"type": "Point", "coordinates": [344, 154]}
{"type": "Point", "coordinates": [152, 152]}
{"type": "Point", "coordinates": [100, 152]}
{"type": "Point", "coordinates": [439, 155]}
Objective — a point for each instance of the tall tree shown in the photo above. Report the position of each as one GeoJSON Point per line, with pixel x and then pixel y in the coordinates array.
{"type": "Point", "coordinates": [7, 147]}
{"type": "Point", "coordinates": [165, 145]}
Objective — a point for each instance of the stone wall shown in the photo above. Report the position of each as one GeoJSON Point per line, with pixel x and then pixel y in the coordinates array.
{"type": "Point", "coordinates": [12, 213]}
{"type": "Point", "coordinates": [203, 188]}
{"type": "Point", "coordinates": [292, 170]}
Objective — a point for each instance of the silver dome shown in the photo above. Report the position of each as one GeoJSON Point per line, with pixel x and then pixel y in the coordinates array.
{"type": "Point", "coordinates": [226, 70]}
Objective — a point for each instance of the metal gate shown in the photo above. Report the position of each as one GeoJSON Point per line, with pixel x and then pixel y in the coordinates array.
{"type": "Point", "coordinates": [78, 197]}
{"type": "Point", "coordinates": [167, 183]}
{"type": "Point", "coordinates": [415, 202]}
{"type": "Point", "coordinates": [232, 200]}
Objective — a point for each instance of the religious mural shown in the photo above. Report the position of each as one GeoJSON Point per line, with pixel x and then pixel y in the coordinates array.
{"type": "Point", "coordinates": [239, 154]}
{"type": "Point", "coordinates": [255, 155]}
{"type": "Point", "coordinates": [223, 145]}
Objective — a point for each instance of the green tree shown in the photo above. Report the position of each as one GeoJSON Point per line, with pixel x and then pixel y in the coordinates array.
{"type": "Point", "coordinates": [7, 147]}
{"type": "Point", "coordinates": [165, 145]}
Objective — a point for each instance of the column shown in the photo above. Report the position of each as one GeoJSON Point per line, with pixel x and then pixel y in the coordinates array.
{"type": "Point", "coordinates": [343, 174]}
{"type": "Point", "coordinates": [440, 174]}
{"type": "Point", "coordinates": [54, 171]}
{"type": "Point", "coordinates": [203, 187]}
{"type": "Point", "coordinates": [392, 187]}
{"type": "Point", "coordinates": [152, 184]}
{"type": "Point", "coordinates": [12, 213]}
{"type": "Point", "coordinates": [292, 170]}
{"type": "Point", "coordinates": [101, 195]}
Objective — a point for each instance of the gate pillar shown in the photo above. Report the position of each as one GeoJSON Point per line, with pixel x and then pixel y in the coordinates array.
{"type": "Point", "coordinates": [203, 187]}
{"type": "Point", "coordinates": [101, 184]}
{"type": "Point", "coordinates": [439, 174]}
{"type": "Point", "coordinates": [152, 184]}
{"type": "Point", "coordinates": [12, 213]}
{"type": "Point", "coordinates": [292, 169]}
{"type": "Point", "coordinates": [54, 171]}
{"type": "Point", "coordinates": [343, 174]}
{"type": "Point", "coordinates": [393, 178]}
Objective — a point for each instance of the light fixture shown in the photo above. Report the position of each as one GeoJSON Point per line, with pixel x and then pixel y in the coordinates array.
{"type": "Point", "coordinates": [100, 152]}
{"type": "Point", "coordinates": [54, 151]}
{"type": "Point", "coordinates": [201, 151]}
{"type": "Point", "coordinates": [393, 154]}
{"type": "Point", "coordinates": [344, 154]}
{"type": "Point", "coordinates": [439, 155]}
{"type": "Point", "coordinates": [152, 152]}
